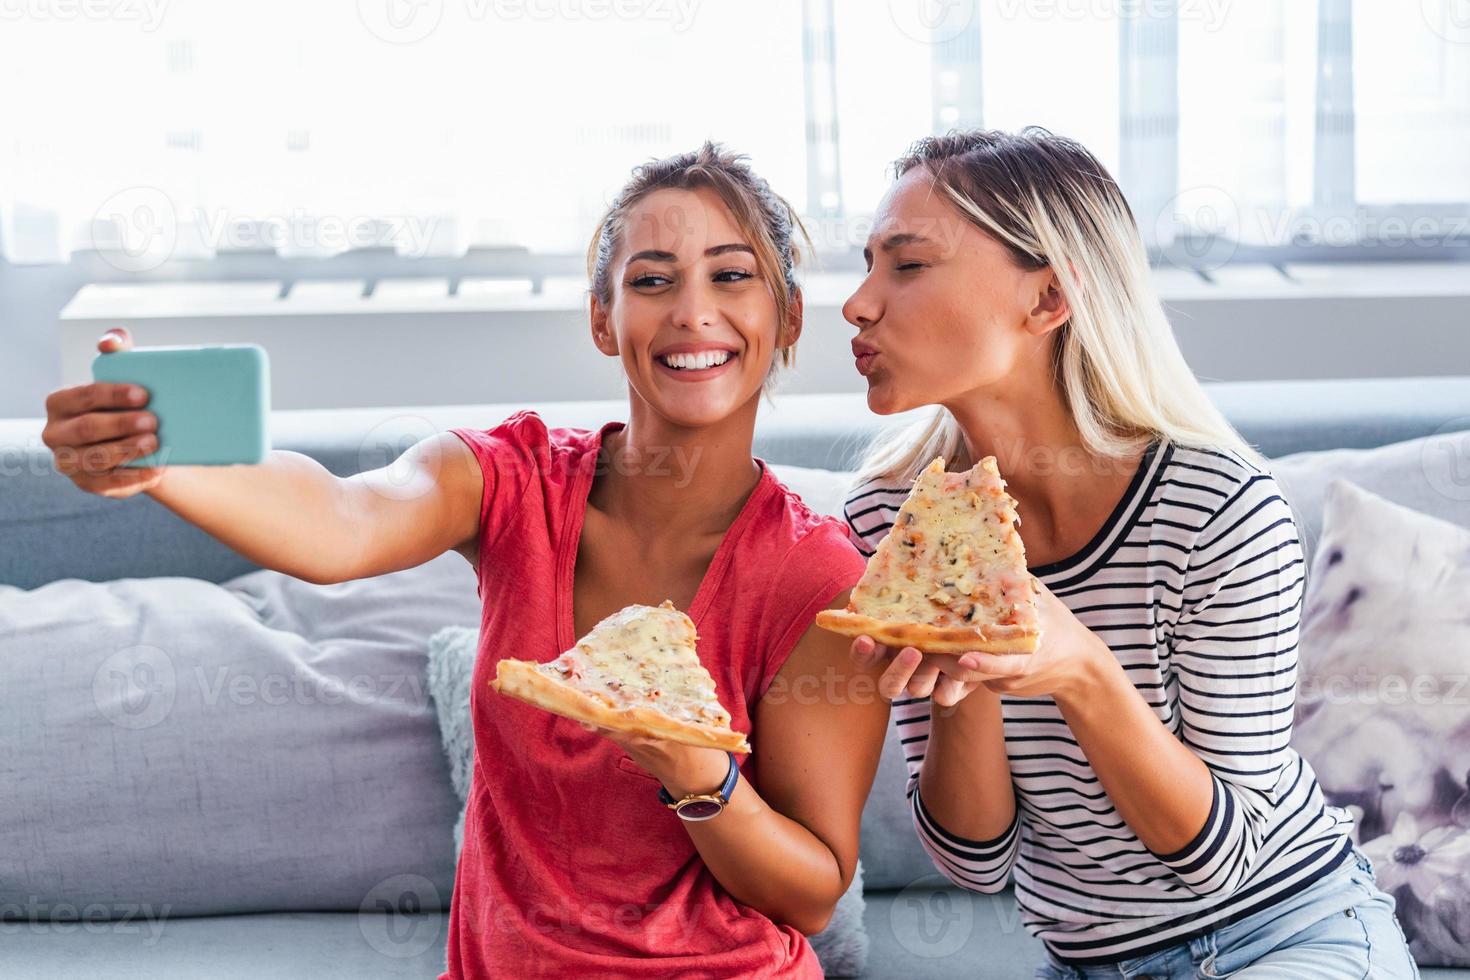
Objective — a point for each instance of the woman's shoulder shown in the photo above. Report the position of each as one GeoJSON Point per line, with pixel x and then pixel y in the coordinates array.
{"type": "Point", "coordinates": [1219, 483]}
{"type": "Point", "coordinates": [525, 436]}
{"type": "Point", "coordinates": [870, 508]}
{"type": "Point", "coordinates": [1233, 508]}
{"type": "Point", "coordinates": [523, 429]}
{"type": "Point", "coordinates": [522, 451]}
{"type": "Point", "coordinates": [1216, 465]}
{"type": "Point", "coordinates": [814, 542]}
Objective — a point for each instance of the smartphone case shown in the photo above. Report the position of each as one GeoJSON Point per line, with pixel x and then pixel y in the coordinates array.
{"type": "Point", "coordinates": [212, 403]}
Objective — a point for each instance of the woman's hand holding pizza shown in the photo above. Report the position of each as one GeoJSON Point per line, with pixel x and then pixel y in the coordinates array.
{"type": "Point", "coordinates": [1060, 665]}
{"type": "Point", "coordinates": [912, 674]}
{"type": "Point", "coordinates": [682, 769]}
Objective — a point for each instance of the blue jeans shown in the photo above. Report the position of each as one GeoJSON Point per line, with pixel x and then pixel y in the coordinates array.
{"type": "Point", "coordinates": [1342, 926]}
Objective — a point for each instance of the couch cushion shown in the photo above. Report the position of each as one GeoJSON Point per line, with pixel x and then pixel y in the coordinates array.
{"type": "Point", "coordinates": [1430, 475]}
{"type": "Point", "coordinates": [914, 933]}
{"type": "Point", "coordinates": [931, 929]}
{"type": "Point", "coordinates": [319, 945]}
{"type": "Point", "coordinates": [179, 744]}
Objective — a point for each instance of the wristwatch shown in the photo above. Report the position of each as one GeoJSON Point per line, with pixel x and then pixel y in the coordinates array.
{"type": "Point", "coordinates": [703, 806]}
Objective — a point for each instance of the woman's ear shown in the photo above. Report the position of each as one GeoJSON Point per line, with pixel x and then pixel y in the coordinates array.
{"type": "Point", "coordinates": [602, 332]}
{"type": "Point", "coordinates": [1051, 309]}
{"type": "Point", "coordinates": [794, 317]}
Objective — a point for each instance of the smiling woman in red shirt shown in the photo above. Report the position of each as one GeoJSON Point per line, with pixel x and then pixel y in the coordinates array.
{"type": "Point", "coordinates": [573, 863]}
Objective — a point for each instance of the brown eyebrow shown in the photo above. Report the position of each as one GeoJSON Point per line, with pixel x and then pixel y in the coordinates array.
{"type": "Point", "coordinates": [907, 238]}
{"type": "Point", "coordinates": [897, 241]}
{"type": "Point", "coordinates": [657, 255]}
{"type": "Point", "coordinates": [731, 247]}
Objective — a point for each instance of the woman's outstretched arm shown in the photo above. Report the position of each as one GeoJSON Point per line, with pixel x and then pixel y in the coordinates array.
{"type": "Point", "coordinates": [288, 513]}
{"type": "Point", "coordinates": [291, 514]}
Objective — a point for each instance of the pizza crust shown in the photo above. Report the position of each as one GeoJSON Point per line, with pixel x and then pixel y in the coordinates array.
{"type": "Point", "coordinates": [983, 638]}
{"type": "Point", "coordinates": [521, 680]}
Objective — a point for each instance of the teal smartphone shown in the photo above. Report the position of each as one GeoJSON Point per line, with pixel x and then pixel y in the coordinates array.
{"type": "Point", "coordinates": [212, 403]}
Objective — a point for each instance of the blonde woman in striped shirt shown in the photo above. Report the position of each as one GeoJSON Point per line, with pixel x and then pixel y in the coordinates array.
{"type": "Point", "coordinates": [1134, 776]}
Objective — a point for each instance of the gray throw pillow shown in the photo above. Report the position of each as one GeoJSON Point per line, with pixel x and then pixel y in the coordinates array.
{"type": "Point", "coordinates": [842, 947]}
{"type": "Point", "coordinates": [451, 665]}
{"type": "Point", "coordinates": [192, 748]}
{"type": "Point", "coordinates": [1383, 707]}
{"type": "Point", "coordinates": [1430, 475]}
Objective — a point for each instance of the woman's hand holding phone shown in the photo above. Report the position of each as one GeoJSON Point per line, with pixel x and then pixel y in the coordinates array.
{"type": "Point", "coordinates": [92, 429]}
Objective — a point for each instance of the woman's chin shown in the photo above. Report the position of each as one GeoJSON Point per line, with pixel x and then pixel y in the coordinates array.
{"type": "Point", "coordinates": [883, 400]}
{"type": "Point", "coordinates": [697, 406]}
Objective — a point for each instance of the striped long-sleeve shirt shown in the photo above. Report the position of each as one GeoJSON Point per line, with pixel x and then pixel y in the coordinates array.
{"type": "Point", "coordinates": [1195, 582]}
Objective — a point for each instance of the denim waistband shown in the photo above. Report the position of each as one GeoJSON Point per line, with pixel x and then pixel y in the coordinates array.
{"type": "Point", "coordinates": [1340, 864]}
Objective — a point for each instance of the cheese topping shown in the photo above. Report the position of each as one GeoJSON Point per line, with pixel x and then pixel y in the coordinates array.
{"type": "Point", "coordinates": [643, 655]}
{"type": "Point", "coordinates": [953, 557]}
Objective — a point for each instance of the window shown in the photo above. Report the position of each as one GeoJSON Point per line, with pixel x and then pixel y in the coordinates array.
{"type": "Point", "coordinates": [178, 128]}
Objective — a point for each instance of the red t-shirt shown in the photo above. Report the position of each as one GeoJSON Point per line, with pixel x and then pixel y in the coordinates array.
{"type": "Point", "coordinates": [571, 866]}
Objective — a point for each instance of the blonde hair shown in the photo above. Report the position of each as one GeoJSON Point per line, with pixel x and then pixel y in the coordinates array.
{"type": "Point", "coordinates": [1120, 371]}
{"type": "Point", "coordinates": [765, 217]}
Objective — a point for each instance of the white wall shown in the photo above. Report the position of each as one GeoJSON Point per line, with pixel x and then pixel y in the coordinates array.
{"type": "Point", "coordinates": [410, 344]}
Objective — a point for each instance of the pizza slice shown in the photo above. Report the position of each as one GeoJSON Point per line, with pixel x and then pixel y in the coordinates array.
{"type": "Point", "coordinates": [951, 575]}
{"type": "Point", "coordinates": [637, 671]}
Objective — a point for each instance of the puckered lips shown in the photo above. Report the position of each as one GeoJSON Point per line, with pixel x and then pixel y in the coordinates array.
{"type": "Point", "coordinates": [696, 362]}
{"type": "Point", "coordinates": [866, 356]}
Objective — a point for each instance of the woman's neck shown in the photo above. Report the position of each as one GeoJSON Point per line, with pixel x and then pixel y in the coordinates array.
{"type": "Point", "coordinates": [663, 478]}
{"type": "Point", "coordinates": [1026, 428]}
{"type": "Point", "coordinates": [1062, 489]}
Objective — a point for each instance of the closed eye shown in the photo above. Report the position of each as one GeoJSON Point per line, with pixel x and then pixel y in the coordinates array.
{"type": "Point", "coordinates": [649, 281]}
{"type": "Point", "coordinates": [732, 275]}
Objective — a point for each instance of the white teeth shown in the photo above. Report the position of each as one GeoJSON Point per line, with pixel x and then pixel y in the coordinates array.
{"type": "Point", "coordinates": [696, 362]}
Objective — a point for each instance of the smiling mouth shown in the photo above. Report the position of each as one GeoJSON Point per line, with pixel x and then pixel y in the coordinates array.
{"type": "Point", "coordinates": [702, 361]}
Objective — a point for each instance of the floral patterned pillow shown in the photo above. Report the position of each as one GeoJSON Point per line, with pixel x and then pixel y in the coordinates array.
{"type": "Point", "coordinates": [1383, 706]}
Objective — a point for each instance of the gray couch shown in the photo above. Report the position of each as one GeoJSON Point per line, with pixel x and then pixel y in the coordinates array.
{"type": "Point", "coordinates": [918, 926]}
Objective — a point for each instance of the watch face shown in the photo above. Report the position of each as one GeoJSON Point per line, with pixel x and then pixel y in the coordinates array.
{"type": "Point", "coordinates": [699, 810]}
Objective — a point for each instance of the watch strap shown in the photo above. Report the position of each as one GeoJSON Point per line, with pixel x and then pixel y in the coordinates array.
{"type": "Point", "coordinates": [724, 792]}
